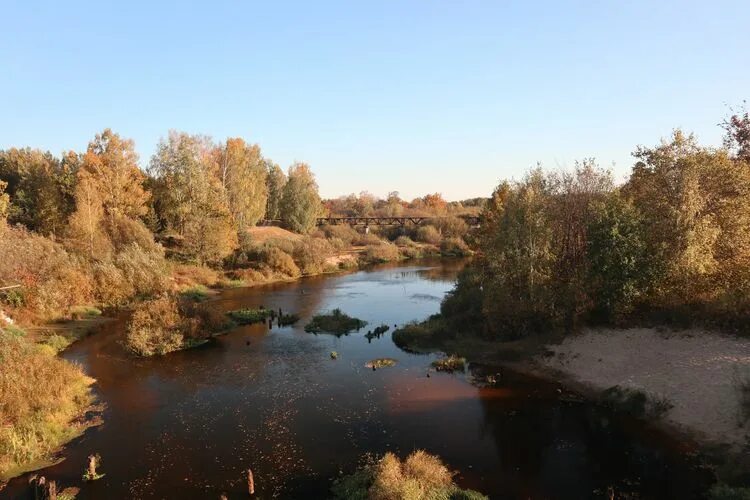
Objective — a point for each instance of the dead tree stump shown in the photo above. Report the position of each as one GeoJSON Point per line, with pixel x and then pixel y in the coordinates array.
{"type": "Point", "coordinates": [250, 482]}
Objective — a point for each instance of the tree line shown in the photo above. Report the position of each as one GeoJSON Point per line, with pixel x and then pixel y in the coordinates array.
{"type": "Point", "coordinates": [204, 194]}
{"type": "Point", "coordinates": [562, 249]}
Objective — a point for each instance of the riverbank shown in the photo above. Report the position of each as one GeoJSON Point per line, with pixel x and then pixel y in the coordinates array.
{"type": "Point", "coordinates": [699, 379]}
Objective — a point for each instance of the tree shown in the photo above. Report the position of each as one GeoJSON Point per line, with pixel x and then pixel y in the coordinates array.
{"type": "Point", "coordinates": [41, 187]}
{"type": "Point", "coordinates": [191, 198]}
{"type": "Point", "coordinates": [275, 181]}
{"type": "Point", "coordinates": [300, 202]}
{"type": "Point", "coordinates": [620, 268]}
{"type": "Point", "coordinates": [4, 201]}
{"type": "Point", "coordinates": [111, 165]}
{"type": "Point", "coordinates": [737, 134]}
{"type": "Point", "coordinates": [696, 204]}
{"type": "Point", "coordinates": [86, 232]}
{"type": "Point", "coordinates": [243, 176]}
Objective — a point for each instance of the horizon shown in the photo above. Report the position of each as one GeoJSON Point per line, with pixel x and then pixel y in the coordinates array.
{"type": "Point", "coordinates": [380, 98]}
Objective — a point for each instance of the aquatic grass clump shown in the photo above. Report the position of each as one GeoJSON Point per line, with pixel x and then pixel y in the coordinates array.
{"type": "Point", "coordinates": [288, 319]}
{"type": "Point", "coordinates": [377, 332]}
{"type": "Point", "coordinates": [335, 322]}
{"type": "Point", "coordinates": [57, 342]}
{"type": "Point", "coordinates": [420, 476]}
{"type": "Point", "coordinates": [449, 364]}
{"type": "Point", "coordinates": [380, 363]}
{"type": "Point", "coordinates": [85, 312]}
{"type": "Point", "coordinates": [197, 293]}
{"type": "Point", "coordinates": [420, 337]}
{"type": "Point", "coordinates": [250, 316]}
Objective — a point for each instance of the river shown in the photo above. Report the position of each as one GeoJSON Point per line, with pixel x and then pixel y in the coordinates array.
{"type": "Point", "coordinates": [189, 424]}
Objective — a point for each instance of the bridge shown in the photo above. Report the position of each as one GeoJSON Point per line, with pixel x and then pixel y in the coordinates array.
{"type": "Point", "coordinates": [471, 220]}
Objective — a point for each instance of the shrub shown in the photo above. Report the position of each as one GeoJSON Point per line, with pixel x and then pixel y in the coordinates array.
{"type": "Point", "coordinates": [51, 280]}
{"type": "Point", "coordinates": [83, 312]}
{"type": "Point", "coordinates": [454, 247]}
{"type": "Point", "coordinates": [384, 252]}
{"type": "Point", "coordinates": [335, 322]}
{"type": "Point", "coordinates": [420, 477]}
{"type": "Point", "coordinates": [369, 239]}
{"type": "Point", "coordinates": [416, 337]}
{"type": "Point", "coordinates": [111, 288]}
{"type": "Point", "coordinates": [310, 255]}
{"type": "Point", "coordinates": [344, 232]}
{"type": "Point", "coordinates": [144, 270]}
{"type": "Point", "coordinates": [404, 241]}
{"type": "Point", "coordinates": [281, 262]}
{"type": "Point", "coordinates": [452, 227]}
{"type": "Point", "coordinates": [41, 399]}
{"type": "Point", "coordinates": [155, 328]}
{"type": "Point", "coordinates": [428, 234]}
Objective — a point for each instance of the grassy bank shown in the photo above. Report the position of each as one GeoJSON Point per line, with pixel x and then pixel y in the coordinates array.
{"type": "Point", "coordinates": [43, 400]}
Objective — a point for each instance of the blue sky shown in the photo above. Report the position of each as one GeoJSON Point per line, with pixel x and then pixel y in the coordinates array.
{"type": "Point", "coordinates": [415, 96]}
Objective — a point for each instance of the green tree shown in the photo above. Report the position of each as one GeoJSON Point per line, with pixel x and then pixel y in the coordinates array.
{"type": "Point", "coordinates": [300, 202]}
{"type": "Point", "coordinates": [620, 267]}
{"type": "Point", "coordinates": [275, 179]}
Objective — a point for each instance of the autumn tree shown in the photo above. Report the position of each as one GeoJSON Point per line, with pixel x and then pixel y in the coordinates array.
{"type": "Point", "coordinates": [111, 165]}
{"type": "Point", "coordinates": [275, 181]}
{"type": "Point", "coordinates": [191, 198]}
{"type": "Point", "coordinates": [737, 134]}
{"type": "Point", "coordinates": [300, 202]}
{"type": "Point", "coordinates": [41, 187]}
{"type": "Point", "coordinates": [242, 171]}
{"type": "Point", "coordinates": [4, 201]}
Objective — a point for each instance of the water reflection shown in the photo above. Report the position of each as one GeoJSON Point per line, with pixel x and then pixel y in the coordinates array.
{"type": "Point", "coordinates": [190, 424]}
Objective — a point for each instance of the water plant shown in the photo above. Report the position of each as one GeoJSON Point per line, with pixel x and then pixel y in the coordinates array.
{"type": "Point", "coordinates": [250, 316]}
{"type": "Point", "coordinates": [334, 355]}
{"type": "Point", "coordinates": [380, 363]}
{"type": "Point", "coordinates": [198, 293]}
{"type": "Point", "coordinates": [288, 319]}
{"type": "Point", "coordinates": [449, 364]}
{"type": "Point", "coordinates": [335, 322]}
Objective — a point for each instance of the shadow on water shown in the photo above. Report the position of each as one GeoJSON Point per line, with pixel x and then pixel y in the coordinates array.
{"type": "Point", "coordinates": [189, 425]}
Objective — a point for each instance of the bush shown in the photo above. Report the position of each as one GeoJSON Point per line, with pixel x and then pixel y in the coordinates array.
{"type": "Point", "coordinates": [51, 280]}
{"type": "Point", "coordinates": [404, 241]}
{"type": "Point", "coordinates": [144, 270]}
{"type": "Point", "coordinates": [335, 322]}
{"type": "Point", "coordinates": [452, 227]}
{"type": "Point", "coordinates": [369, 239]}
{"type": "Point", "coordinates": [111, 288]}
{"type": "Point", "coordinates": [155, 328]}
{"type": "Point", "coordinates": [428, 234]}
{"type": "Point", "coordinates": [41, 399]}
{"type": "Point", "coordinates": [454, 247]}
{"type": "Point", "coordinates": [310, 255]}
{"type": "Point", "coordinates": [344, 232]}
{"type": "Point", "coordinates": [384, 252]}
{"type": "Point", "coordinates": [420, 477]}
{"type": "Point", "coordinates": [281, 262]}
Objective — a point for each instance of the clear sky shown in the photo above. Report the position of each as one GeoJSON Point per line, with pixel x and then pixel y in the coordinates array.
{"type": "Point", "coordinates": [415, 96]}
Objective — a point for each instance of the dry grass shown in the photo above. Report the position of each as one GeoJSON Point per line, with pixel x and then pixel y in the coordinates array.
{"type": "Point", "coordinates": [420, 477]}
{"type": "Point", "coordinates": [261, 234]}
{"type": "Point", "coordinates": [42, 397]}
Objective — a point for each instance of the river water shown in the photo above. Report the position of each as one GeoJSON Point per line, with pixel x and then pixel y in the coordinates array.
{"type": "Point", "coordinates": [189, 424]}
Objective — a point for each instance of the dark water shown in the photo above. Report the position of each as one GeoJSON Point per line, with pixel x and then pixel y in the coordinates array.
{"type": "Point", "coordinates": [188, 425]}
